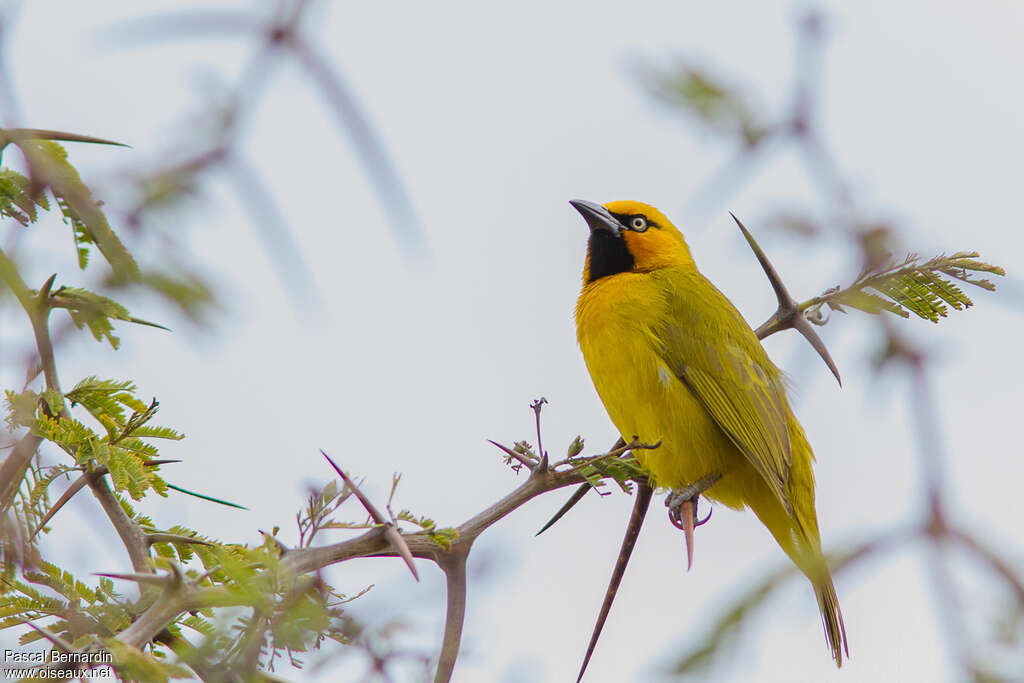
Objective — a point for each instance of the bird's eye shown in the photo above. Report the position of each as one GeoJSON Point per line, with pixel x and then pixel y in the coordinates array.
{"type": "Point", "coordinates": [638, 223]}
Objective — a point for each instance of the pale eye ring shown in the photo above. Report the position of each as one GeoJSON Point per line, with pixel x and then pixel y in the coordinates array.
{"type": "Point", "coordinates": [638, 223]}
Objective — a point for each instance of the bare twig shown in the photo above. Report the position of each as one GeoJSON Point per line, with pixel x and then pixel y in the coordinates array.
{"type": "Point", "coordinates": [390, 532]}
{"type": "Point", "coordinates": [522, 459]}
{"type": "Point", "coordinates": [78, 484]}
{"type": "Point", "coordinates": [40, 315]}
{"type": "Point", "coordinates": [421, 544]}
{"type": "Point", "coordinates": [537, 405]}
{"type": "Point", "coordinates": [14, 466]}
{"type": "Point", "coordinates": [577, 495]}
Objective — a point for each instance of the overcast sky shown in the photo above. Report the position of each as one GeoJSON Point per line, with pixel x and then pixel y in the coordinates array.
{"type": "Point", "coordinates": [495, 116]}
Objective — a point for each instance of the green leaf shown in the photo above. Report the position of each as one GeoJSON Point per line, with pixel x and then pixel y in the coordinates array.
{"type": "Point", "coordinates": [95, 311]}
{"type": "Point", "coordinates": [17, 200]}
{"type": "Point", "coordinates": [66, 432]}
{"type": "Point", "coordinates": [129, 473]}
{"type": "Point", "coordinates": [154, 432]}
{"type": "Point", "coordinates": [21, 408]}
{"type": "Point", "coordinates": [868, 302]}
{"type": "Point", "coordinates": [49, 165]}
{"type": "Point", "coordinates": [105, 397]}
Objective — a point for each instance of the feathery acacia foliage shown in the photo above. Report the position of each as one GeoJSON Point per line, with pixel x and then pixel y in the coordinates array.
{"type": "Point", "coordinates": [924, 288]}
{"type": "Point", "coordinates": [113, 435]}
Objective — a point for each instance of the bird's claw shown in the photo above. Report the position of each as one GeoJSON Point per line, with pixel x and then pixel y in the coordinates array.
{"type": "Point", "coordinates": [674, 512]}
{"type": "Point", "coordinates": [682, 510]}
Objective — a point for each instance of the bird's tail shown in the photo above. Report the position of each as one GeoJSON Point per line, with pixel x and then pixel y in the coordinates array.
{"type": "Point", "coordinates": [798, 536]}
{"type": "Point", "coordinates": [831, 615]}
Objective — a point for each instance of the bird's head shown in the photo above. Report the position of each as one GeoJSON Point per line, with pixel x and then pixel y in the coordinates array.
{"type": "Point", "coordinates": [629, 237]}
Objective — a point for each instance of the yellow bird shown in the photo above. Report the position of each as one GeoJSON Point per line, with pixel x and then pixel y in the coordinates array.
{"type": "Point", "coordinates": [674, 361]}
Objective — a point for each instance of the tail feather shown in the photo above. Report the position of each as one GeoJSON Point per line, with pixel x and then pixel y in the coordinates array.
{"type": "Point", "coordinates": [798, 536]}
{"type": "Point", "coordinates": [832, 618]}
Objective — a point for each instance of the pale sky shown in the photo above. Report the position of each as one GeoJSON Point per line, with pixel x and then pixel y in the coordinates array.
{"type": "Point", "coordinates": [495, 116]}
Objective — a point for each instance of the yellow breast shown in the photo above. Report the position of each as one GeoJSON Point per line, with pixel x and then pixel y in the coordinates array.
{"type": "Point", "coordinates": [642, 395]}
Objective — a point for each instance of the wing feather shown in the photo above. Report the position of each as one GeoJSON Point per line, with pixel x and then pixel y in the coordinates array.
{"type": "Point", "coordinates": [745, 398]}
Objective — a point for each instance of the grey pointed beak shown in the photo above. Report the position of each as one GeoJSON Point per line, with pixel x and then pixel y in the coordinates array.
{"type": "Point", "coordinates": [597, 216]}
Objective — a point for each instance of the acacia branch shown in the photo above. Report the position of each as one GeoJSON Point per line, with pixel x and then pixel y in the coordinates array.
{"type": "Point", "coordinates": [38, 307]}
{"type": "Point", "coordinates": [374, 543]}
{"type": "Point", "coordinates": [129, 531]}
{"type": "Point", "coordinates": [454, 567]}
{"type": "Point", "coordinates": [12, 469]}
{"type": "Point", "coordinates": [180, 595]}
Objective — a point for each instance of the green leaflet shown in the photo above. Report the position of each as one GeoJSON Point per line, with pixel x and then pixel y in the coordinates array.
{"type": "Point", "coordinates": [95, 311]}
{"type": "Point", "coordinates": [122, 448]}
{"type": "Point", "coordinates": [924, 288]}
{"type": "Point", "coordinates": [105, 397]}
{"type": "Point", "coordinates": [16, 201]}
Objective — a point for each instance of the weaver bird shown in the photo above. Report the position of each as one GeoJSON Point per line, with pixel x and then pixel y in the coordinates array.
{"type": "Point", "coordinates": [674, 362]}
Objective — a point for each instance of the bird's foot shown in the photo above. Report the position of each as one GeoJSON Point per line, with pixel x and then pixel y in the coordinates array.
{"type": "Point", "coordinates": [682, 510]}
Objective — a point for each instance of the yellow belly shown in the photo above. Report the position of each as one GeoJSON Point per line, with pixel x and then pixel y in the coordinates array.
{"type": "Point", "coordinates": [646, 400]}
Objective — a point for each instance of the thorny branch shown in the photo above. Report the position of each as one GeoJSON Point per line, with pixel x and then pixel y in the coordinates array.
{"type": "Point", "coordinates": [38, 309]}
{"type": "Point", "coordinates": [376, 543]}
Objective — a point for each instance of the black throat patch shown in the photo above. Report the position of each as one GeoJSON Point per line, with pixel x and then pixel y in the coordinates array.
{"type": "Point", "coordinates": [607, 254]}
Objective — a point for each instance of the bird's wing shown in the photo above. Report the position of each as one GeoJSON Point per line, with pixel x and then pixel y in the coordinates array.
{"type": "Point", "coordinates": [743, 398]}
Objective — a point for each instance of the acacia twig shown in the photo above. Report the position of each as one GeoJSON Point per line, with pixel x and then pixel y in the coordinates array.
{"type": "Point", "coordinates": [522, 459]}
{"type": "Point", "coordinates": [373, 544]}
{"type": "Point", "coordinates": [393, 535]}
{"type": "Point", "coordinates": [78, 484]}
{"type": "Point", "coordinates": [537, 405]}
{"type": "Point", "coordinates": [179, 595]}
